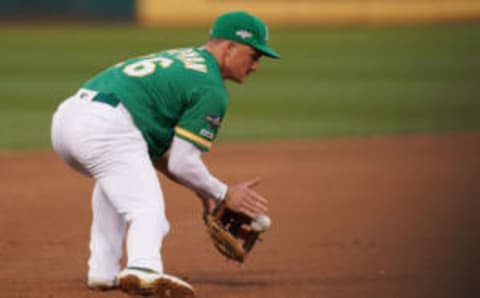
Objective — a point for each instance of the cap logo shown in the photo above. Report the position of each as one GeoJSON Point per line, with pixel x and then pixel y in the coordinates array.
{"type": "Point", "coordinates": [243, 34]}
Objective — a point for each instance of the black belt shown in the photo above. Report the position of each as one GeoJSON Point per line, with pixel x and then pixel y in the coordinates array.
{"type": "Point", "coordinates": [108, 98]}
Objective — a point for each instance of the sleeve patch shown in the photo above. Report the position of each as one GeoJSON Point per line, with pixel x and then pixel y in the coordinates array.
{"type": "Point", "coordinates": [208, 134]}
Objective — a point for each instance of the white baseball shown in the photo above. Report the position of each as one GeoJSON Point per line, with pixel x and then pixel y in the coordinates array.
{"type": "Point", "coordinates": [261, 223]}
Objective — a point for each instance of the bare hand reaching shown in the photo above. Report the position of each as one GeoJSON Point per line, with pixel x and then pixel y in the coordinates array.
{"type": "Point", "coordinates": [242, 198]}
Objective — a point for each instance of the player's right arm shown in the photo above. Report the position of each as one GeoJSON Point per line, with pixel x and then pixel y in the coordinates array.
{"type": "Point", "coordinates": [184, 165]}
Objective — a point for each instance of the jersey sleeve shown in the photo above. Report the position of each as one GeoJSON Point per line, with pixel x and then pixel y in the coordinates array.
{"type": "Point", "coordinates": [200, 122]}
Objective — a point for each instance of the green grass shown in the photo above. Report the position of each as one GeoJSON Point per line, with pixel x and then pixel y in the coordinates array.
{"type": "Point", "coordinates": [329, 82]}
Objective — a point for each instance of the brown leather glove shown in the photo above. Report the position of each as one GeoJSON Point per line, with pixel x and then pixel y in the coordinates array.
{"type": "Point", "coordinates": [231, 232]}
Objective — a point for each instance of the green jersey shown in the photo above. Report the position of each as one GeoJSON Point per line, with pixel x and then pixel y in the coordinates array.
{"type": "Point", "coordinates": [177, 92]}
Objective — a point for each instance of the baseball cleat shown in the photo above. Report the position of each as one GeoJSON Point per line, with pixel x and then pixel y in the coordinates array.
{"type": "Point", "coordinates": [101, 284]}
{"type": "Point", "coordinates": [140, 281]}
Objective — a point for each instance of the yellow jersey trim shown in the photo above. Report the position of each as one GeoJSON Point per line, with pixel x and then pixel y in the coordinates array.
{"type": "Point", "coordinates": [193, 137]}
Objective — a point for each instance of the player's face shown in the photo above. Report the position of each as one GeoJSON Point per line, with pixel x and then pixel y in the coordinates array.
{"type": "Point", "coordinates": [240, 61]}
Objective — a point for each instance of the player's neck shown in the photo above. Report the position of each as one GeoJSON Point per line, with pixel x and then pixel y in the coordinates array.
{"type": "Point", "coordinates": [218, 50]}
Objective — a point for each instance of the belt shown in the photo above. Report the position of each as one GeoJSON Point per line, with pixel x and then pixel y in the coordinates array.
{"type": "Point", "coordinates": [108, 98]}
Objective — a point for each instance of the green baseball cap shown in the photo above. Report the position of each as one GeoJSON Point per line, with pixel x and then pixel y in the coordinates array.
{"type": "Point", "coordinates": [242, 27]}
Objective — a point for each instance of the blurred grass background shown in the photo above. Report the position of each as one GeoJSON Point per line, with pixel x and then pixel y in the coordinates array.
{"type": "Point", "coordinates": [329, 82]}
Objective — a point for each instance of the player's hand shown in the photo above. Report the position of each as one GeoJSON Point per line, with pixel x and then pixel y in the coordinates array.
{"type": "Point", "coordinates": [242, 198]}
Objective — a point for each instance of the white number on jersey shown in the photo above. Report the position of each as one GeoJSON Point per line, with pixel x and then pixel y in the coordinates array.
{"type": "Point", "coordinates": [145, 67]}
{"type": "Point", "coordinates": [189, 57]}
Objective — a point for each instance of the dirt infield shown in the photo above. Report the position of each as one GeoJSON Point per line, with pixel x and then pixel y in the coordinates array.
{"type": "Point", "coordinates": [359, 217]}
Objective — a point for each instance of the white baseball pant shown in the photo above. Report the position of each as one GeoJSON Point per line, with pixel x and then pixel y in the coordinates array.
{"type": "Point", "coordinates": [101, 141]}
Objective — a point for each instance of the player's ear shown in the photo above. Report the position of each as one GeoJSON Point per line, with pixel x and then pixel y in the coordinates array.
{"type": "Point", "coordinates": [223, 47]}
{"type": "Point", "coordinates": [227, 50]}
{"type": "Point", "coordinates": [229, 46]}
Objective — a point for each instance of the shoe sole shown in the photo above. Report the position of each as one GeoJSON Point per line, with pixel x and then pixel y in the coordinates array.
{"type": "Point", "coordinates": [161, 287]}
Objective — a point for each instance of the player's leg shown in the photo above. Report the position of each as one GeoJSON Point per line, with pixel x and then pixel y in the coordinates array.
{"type": "Point", "coordinates": [74, 126]}
{"type": "Point", "coordinates": [106, 238]}
{"type": "Point", "coordinates": [103, 142]}
{"type": "Point", "coordinates": [130, 182]}
{"type": "Point", "coordinates": [132, 186]}
{"type": "Point", "coordinates": [118, 159]}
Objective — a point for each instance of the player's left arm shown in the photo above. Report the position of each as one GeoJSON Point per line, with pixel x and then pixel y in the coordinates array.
{"type": "Point", "coordinates": [194, 133]}
{"type": "Point", "coordinates": [183, 165]}
{"type": "Point", "coordinates": [186, 165]}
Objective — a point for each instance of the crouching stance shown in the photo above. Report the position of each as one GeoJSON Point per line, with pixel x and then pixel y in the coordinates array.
{"type": "Point", "coordinates": [159, 111]}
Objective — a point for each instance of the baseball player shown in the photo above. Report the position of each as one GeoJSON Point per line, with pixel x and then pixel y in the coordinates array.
{"type": "Point", "coordinates": [159, 111]}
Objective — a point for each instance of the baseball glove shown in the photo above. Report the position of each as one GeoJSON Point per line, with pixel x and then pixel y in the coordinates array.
{"type": "Point", "coordinates": [231, 232]}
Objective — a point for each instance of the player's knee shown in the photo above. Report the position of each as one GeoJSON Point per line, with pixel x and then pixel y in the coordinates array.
{"type": "Point", "coordinates": [153, 217]}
